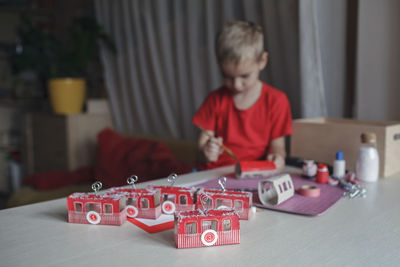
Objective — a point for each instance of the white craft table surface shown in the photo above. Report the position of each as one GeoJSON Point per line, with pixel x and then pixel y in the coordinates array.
{"type": "Point", "coordinates": [356, 232]}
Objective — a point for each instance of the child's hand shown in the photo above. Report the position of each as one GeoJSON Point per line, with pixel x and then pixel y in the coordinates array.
{"type": "Point", "coordinates": [213, 148]}
{"type": "Point", "coordinates": [279, 161]}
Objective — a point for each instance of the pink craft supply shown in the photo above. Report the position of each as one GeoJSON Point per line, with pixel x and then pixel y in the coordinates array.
{"type": "Point", "coordinates": [309, 191]}
{"type": "Point", "coordinates": [309, 168]}
{"type": "Point", "coordinates": [333, 182]}
{"type": "Point", "coordinates": [298, 204]}
{"type": "Point", "coordinates": [162, 223]}
{"type": "Point", "coordinates": [351, 178]}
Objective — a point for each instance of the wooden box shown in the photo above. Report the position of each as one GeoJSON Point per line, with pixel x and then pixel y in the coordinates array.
{"type": "Point", "coordinates": [60, 142]}
{"type": "Point", "coordinates": [320, 138]}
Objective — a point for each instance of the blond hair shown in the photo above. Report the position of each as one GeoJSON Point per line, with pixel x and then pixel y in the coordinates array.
{"type": "Point", "coordinates": [238, 41]}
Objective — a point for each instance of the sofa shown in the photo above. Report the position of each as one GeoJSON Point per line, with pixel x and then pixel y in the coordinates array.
{"type": "Point", "coordinates": [183, 151]}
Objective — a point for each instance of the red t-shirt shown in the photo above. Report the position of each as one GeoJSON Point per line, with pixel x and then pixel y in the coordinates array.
{"type": "Point", "coordinates": [246, 132]}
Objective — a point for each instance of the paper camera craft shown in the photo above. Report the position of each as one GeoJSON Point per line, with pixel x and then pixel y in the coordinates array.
{"type": "Point", "coordinates": [206, 228]}
{"type": "Point", "coordinates": [140, 203]}
{"type": "Point", "coordinates": [241, 202]}
{"type": "Point", "coordinates": [96, 208]}
{"type": "Point", "coordinates": [176, 198]}
{"type": "Point", "coordinates": [248, 169]}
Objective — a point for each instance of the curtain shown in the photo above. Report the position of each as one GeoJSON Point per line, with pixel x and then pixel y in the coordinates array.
{"type": "Point", "coordinates": [311, 78]}
{"type": "Point", "coordinates": [324, 31]}
{"type": "Point", "coordinates": [165, 64]}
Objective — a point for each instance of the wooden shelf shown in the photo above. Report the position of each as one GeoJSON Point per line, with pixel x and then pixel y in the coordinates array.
{"type": "Point", "coordinates": [60, 142]}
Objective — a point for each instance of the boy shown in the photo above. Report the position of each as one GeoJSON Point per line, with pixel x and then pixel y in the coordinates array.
{"type": "Point", "coordinates": [248, 116]}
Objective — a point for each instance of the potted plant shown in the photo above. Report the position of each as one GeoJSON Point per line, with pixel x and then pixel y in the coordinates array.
{"type": "Point", "coordinates": [61, 63]}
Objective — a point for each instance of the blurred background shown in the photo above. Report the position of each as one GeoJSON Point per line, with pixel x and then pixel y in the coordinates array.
{"type": "Point", "coordinates": [144, 67]}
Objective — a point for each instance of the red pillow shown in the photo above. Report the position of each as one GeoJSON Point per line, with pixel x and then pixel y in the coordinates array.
{"type": "Point", "coordinates": [56, 179]}
{"type": "Point", "coordinates": [119, 157]}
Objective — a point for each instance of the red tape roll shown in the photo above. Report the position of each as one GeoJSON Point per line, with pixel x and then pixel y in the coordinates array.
{"type": "Point", "coordinates": [310, 191]}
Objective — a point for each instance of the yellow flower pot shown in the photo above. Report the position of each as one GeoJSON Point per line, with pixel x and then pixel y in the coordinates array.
{"type": "Point", "coordinates": [67, 95]}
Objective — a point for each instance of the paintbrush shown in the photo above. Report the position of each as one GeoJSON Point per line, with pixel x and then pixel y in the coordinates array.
{"type": "Point", "coordinates": [227, 150]}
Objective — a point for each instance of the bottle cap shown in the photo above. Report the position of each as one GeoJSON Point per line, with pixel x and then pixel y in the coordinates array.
{"type": "Point", "coordinates": [339, 155]}
{"type": "Point", "coordinates": [368, 138]}
{"type": "Point", "coordinates": [322, 166]}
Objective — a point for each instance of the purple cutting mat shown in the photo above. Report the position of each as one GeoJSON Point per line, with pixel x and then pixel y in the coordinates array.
{"type": "Point", "coordinates": [298, 204]}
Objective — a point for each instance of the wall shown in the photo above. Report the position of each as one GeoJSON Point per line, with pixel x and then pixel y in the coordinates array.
{"type": "Point", "coordinates": [378, 60]}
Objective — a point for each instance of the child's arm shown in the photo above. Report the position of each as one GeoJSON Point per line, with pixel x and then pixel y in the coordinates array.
{"type": "Point", "coordinates": [277, 152]}
{"type": "Point", "coordinates": [210, 146]}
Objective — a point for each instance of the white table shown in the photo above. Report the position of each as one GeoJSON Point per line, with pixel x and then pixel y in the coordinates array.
{"type": "Point", "coordinates": [356, 232]}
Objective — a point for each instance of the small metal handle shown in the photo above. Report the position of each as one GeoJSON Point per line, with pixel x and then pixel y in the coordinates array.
{"type": "Point", "coordinates": [172, 178]}
{"type": "Point", "coordinates": [132, 180]}
{"type": "Point", "coordinates": [203, 200]}
{"type": "Point", "coordinates": [222, 183]}
{"type": "Point", "coordinates": [96, 186]}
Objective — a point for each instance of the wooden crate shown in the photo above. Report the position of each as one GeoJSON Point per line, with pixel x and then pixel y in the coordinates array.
{"type": "Point", "coordinates": [60, 142]}
{"type": "Point", "coordinates": [320, 138]}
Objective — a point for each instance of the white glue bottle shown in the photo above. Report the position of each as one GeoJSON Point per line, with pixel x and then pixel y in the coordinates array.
{"type": "Point", "coordinates": [339, 166]}
{"type": "Point", "coordinates": [367, 166]}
